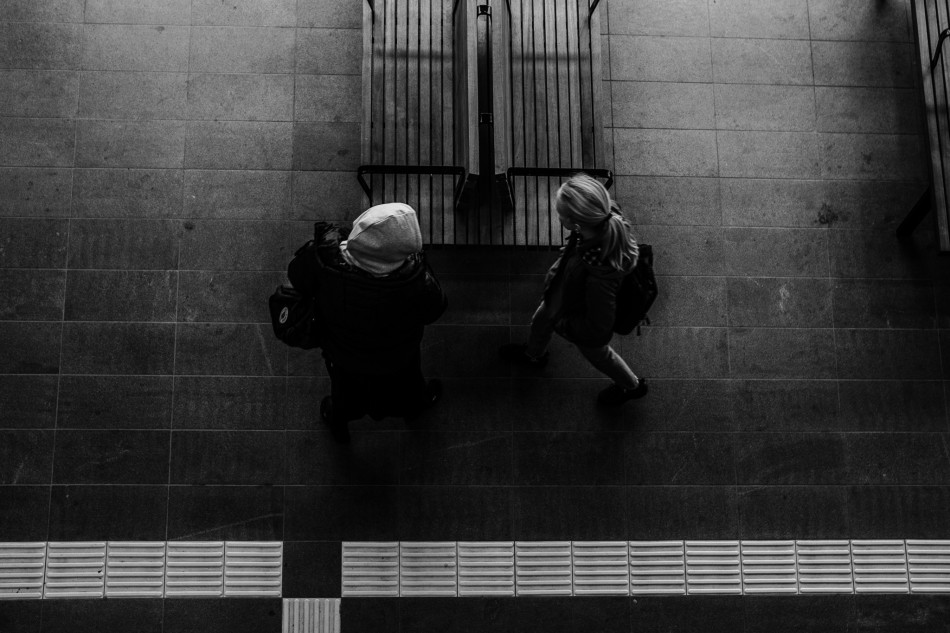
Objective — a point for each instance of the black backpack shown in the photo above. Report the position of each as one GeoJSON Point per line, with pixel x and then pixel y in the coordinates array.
{"type": "Point", "coordinates": [293, 309]}
{"type": "Point", "coordinates": [637, 292]}
{"type": "Point", "coordinates": [295, 318]}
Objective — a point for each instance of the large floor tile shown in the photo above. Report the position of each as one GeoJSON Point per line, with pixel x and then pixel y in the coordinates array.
{"type": "Point", "coordinates": [111, 457]}
{"type": "Point", "coordinates": [240, 615]}
{"type": "Point", "coordinates": [582, 513]}
{"type": "Point", "coordinates": [801, 512]}
{"type": "Point", "coordinates": [115, 402]}
{"type": "Point", "coordinates": [29, 401]}
{"type": "Point", "coordinates": [219, 513]}
{"type": "Point", "coordinates": [570, 458]}
{"type": "Point", "coordinates": [312, 568]}
{"type": "Point", "coordinates": [348, 513]}
{"type": "Point", "coordinates": [89, 616]}
{"type": "Point", "coordinates": [114, 513]}
{"type": "Point", "coordinates": [27, 513]}
{"type": "Point", "coordinates": [228, 457]}
{"type": "Point", "coordinates": [445, 513]}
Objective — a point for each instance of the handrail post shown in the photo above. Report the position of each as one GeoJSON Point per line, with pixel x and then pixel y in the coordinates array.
{"type": "Point", "coordinates": [486, 123]}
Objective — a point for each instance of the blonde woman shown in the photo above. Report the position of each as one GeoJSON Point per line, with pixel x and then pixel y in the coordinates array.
{"type": "Point", "coordinates": [580, 289]}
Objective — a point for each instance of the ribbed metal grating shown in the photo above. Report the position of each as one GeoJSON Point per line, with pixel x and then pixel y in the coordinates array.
{"type": "Point", "coordinates": [486, 569]}
{"type": "Point", "coordinates": [194, 569]}
{"type": "Point", "coordinates": [543, 568]}
{"type": "Point", "coordinates": [713, 567]}
{"type": "Point", "coordinates": [370, 569]}
{"type": "Point", "coordinates": [311, 615]}
{"type": "Point", "coordinates": [880, 566]}
{"type": "Point", "coordinates": [75, 570]}
{"type": "Point", "coordinates": [928, 565]}
{"type": "Point", "coordinates": [657, 567]}
{"type": "Point", "coordinates": [253, 569]}
{"type": "Point", "coordinates": [769, 567]}
{"type": "Point", "coordinates": [428, 569]}
{"type": "Point", "coordinates": [22, 566]}
{"type": "Point", "coordinates": [135, 569]}
{"type": "Point", "coordinates": [824, 566]}
{"type": "Point", "coordinates": [601, 568]}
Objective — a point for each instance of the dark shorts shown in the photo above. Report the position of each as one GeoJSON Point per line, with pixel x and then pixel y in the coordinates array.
{"type": "Point", "coordinates": [357, 394]}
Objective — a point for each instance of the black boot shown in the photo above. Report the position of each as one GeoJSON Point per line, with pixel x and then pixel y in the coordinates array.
{"type": "Point", "coordinates": [615, 395]}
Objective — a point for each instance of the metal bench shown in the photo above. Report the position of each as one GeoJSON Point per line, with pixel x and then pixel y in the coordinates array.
{"type": "Point", "coordinates": [476, 110]}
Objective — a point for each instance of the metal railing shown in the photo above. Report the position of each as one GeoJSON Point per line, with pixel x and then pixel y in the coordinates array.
{"type": "Point", "coordinates": [489, 201]}
{"type": "Point", "coordinates": [537, 226]}
{"type": "Point", "coordinates": [932, 30]}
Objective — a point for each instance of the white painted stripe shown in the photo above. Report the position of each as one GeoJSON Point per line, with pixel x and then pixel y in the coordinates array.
{"type": "Point", "coordinates": [311, 615]}
{"type": "Point", "coordinates": [486, 569]}
{"type": "Point", "coordinates": [22, 567]}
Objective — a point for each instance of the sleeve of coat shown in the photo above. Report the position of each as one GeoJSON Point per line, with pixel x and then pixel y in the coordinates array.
{"type": "Point", "coordinates": [595, 327]}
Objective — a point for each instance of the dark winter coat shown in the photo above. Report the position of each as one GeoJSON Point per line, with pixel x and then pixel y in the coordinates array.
{"type": "Point", "coordinates": [373, 325]}
{"type": "Point", "coordinates": [580, 290]}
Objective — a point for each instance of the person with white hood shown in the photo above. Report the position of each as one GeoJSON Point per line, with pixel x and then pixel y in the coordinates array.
{"type": "Point", "coordinates": [376, 294]}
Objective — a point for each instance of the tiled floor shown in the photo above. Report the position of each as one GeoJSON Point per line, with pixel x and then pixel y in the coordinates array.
{"type": "Point", "coordinates": [159, 161]}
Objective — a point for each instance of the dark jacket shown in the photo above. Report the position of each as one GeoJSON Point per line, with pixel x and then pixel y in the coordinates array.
{"type": "Point", "coordinates": [580, 290]}
{"type": "Point", "coordinates": [373, 325]}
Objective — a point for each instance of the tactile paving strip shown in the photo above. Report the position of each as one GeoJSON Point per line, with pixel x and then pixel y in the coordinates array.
{"type": "Point", "coordinates": [486, 568]}
{"type": "Point", "coordinates": [713, 567]}
{"type": "Point", "coordinates": [22, 567]}
{"type": "Point", "coordinates": [657, 567]}
{"type": "Point", "coordinates": [560, 568]}
{"type": "Point", "coordinates": [928, 565]}
{"type": "Point", "coordinates": [601, 568]}
{"type": "Point", "coordinates": [824, 567]}
{"type": "Point", "coordinates": [879, 566]}
{"type": "Point", "coordinates": [370, 569]}
{"type": "Point", "coordinates": [141, 569]}
{"type": "Point", "coordinates": [194, 569]}
{"type": "Point", "coordinates": [75, 570]}
{"type": "Point", "coordinates": [135, 570]}
{"type": "Point", "coordinates": [428, 569]}
{"type": "Point", "coordinates": [576, 568]}
{"type": "Point", "coordinates": [769, 567]}
{"type": "Point", "coordinates": [543, 568]}
{"type": "Point", "coordinates": [253, 569]}
{"type": "Point", "coordinates": [311, 615]}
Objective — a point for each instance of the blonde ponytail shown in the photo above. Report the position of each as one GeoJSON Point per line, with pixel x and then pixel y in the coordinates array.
{"type": "Point", "coordinates": [619, 246]}
{"type": "Point", "coordinates": [585, 201]}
